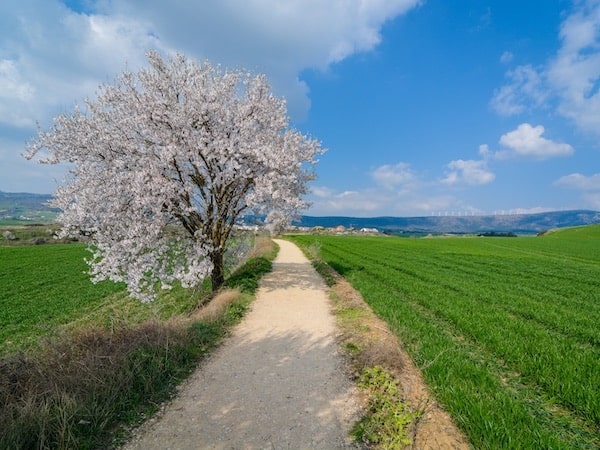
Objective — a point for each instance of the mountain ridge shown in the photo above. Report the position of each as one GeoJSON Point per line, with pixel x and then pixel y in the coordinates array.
{"type": "Point", "coordinates": [23, 206]}
{"type": "Point", "coordinates": [513, 223]}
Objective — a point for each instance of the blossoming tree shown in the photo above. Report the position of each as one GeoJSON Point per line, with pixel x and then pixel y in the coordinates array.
{"type": "Point", "coordinates": [163, 164]}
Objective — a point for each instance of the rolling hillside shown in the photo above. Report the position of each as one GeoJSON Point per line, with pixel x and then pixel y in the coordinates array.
{"type": "Point", "coordinates": [25, 207]}
{"type": "Point", "coordinates": [516, 223]}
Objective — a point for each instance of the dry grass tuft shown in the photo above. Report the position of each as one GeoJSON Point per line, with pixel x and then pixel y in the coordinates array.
{"type": "Point", "coordinates": [66, 394]}
{"type": "Point", "coordinates": [217, 306]}
{"type": "Point", "coordinates": [263, 247]}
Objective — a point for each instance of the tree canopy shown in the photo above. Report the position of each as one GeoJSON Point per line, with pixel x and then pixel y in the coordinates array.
{"type": "Point", "coordinates": [165, 160]}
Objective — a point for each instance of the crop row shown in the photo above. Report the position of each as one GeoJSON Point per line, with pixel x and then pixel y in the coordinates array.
{"type": "Point", "coordinates": [508, 337]}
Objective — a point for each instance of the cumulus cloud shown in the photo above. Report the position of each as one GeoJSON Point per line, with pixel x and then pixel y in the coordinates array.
{"type": "Point", "coordinates": [394, 176]}
{"type": "Point", "coordinates": [300, 33]}
{"type": "Point", "coordinates": [378, 201]}
{"type": "Point", "coordinates": [568, 81]}
{"type": "Point", "coordinates": [469, 172]}
{"type": "Point", "coordinates": [527, 141]}
{"type": "Point", "coordinates": [13, 89]}
{"type": "Point", "coordinates": [574, 72]}
{"type": "Point", "coordinates": [580, 182]}
{"type": "Point", "coordinates": [393, 191]}
{"type": "Point", "coordinates": [396, 190]}
{"type": "Point", "coordinates": [351, 203]}
{"type": "Point", "coordinates": [52, 56]}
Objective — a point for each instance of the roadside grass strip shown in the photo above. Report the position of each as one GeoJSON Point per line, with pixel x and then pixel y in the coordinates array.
{"type": "Point", "coordinates": [505, 331]}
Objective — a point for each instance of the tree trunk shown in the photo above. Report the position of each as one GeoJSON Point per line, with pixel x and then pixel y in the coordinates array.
{"type": "Point", "coordinates": [218, 273]}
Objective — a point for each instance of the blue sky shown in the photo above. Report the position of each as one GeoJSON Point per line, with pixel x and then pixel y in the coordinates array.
{"type": "Point", "coordinates": [426, 107]}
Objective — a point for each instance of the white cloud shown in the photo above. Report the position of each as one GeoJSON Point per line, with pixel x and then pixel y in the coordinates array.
{"type": "Point", "coordinates": [61, 56]}
{"type": "Point", "coordinates": [568, 81]}
{"type": "Point", "coordinates": [12, 85]}
{"type": "Point", "coordinates": [281, 38]}
{"type": "Point", "coordinates": [393, 176]}
{"type": "Point", "coordinates": [397, 190]}
{"type": "Point", "coordinates": [394, 191]}
{"type": "Point", "coordinates": [50, 57]}
{"type": "Point", "coordinates": [13, 89]}
{"type": "Point", "coordinates": [378, 201]}
{"type": "Point", "coordinates": [580, 182]}
{"type": "Point", "coordinates": [298, 32]}
{"type": "Point", "coordinates": [588, 185]}
{"type": "Point", "coordinates": [469, 172]}
{"type": "Point", "coordinates": [351, 203]}
{"type": "Point", "coordinates": [575, 70]}
{"type": "Point", "coordinates": [506, 57]}
{"type": "Point", "coordinates": [527, 141]}
{"type": "Point", "coordinates": [485, 152]}
{"type": "Point", "coordinates": [524, 90]}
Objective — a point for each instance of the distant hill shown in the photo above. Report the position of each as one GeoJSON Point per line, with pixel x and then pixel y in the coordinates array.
{"type": "Point", "coordinates": [515, 223]}
{"type": "Point", "coordinates": [25, 207]}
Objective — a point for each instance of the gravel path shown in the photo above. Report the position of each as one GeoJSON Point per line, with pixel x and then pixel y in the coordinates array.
{"type": "Point", "coordinates": [276, 383]}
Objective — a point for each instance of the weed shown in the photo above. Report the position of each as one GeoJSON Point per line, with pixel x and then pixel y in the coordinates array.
{"type": "Point", "coordinates": [387, 424]}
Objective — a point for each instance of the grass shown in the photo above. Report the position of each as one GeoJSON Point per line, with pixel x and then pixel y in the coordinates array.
{"type": "Point", "coordinates": [83, 385]}
{"type": "Point", "coordinates": [46, 287]}
{"type": "Point", "coordinates": [505, 331]}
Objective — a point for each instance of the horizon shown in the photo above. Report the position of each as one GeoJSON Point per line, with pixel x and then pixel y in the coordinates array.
{"type": "Point", "coordinates": [438, 214]}
{"type": "Point", "coordinates": [424, 107]}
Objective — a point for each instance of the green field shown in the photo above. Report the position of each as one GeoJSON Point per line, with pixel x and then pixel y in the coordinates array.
{"type": "Point", "coordinates": [44, 287]}
{"type": "Point", "coordinates": [506, 331]}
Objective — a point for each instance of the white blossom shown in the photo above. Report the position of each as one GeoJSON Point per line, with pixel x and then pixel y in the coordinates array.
{"type": "Point", "coordinates": [164, 162]}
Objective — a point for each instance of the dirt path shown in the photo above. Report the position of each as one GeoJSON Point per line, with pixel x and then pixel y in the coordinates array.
{"type": "Point", "coordinates": [276, 383]}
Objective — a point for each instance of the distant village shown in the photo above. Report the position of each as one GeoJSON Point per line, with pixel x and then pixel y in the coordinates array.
{"type": "Point", "coordinates": [338, 230]}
